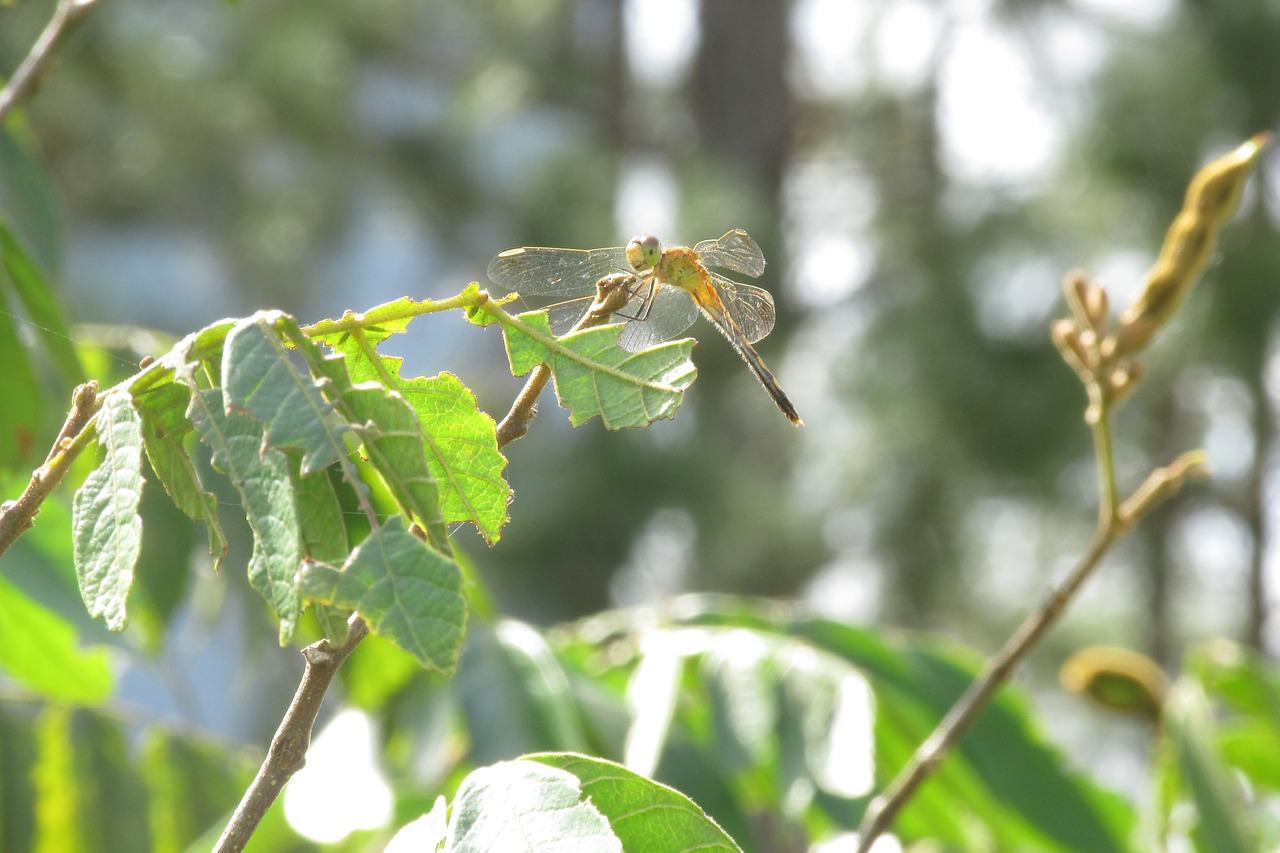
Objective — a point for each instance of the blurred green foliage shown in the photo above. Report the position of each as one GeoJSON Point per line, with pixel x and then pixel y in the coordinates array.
{"type": "Point", "coordinates": [188, 160]}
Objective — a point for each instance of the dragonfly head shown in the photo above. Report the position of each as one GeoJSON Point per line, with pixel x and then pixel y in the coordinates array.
{"type": "Point", "coordinates": [643, 253]}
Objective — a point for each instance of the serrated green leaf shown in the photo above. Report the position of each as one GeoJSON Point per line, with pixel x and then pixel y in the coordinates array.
{"type": "Point", "coordinates": [41, 305]}
{"type": "Point", "coordinates": [462, 451]}
{"type": "Point", "coordinates": [645, 815]}
{"type": "Point", "coordinates": [594, 376]}
{"type": "Point", "coordinates": [39, 648]}
{"type": "Point", "coordinates": [526, 807]}
{"type": "Point", "coordinates": [392, 437]}
{"type": "Point", "coordinates": [260, 377]}
{"type": "Point", "coordinates": [262, 477]}
{"type": "Point", "coordinates": [165, 426]}
{"type": "Point", "coordinates": [460, 441]}
{"type": "Point", "coordinates": [405, 590]}
{"type": "Point", "coordinates": [106, 527]}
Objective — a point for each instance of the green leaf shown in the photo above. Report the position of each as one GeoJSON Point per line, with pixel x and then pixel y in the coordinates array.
{"type": "Point", "coordinates": [106, 527]}
{"type": "Point", "coordinates": [192, 785]}
{"type": "Point", "coordinates": [39, 648]}
{"type": "Point", "coordinates": [165, 427]}
{"type": "Point", "coordinates": [262, 477]}
{"type": "Point", "coordinates": [1003, 775]}
{"type": "Point", "coordinates": [27, 198]}
{"type": "Point", "coordinates": [41, 305]}
{"type": "Point", "coordinates": [523, 807]}
{"type": "Point", "coordinates": [1221, 825]}
{"type": "Point", "coordinates": [405, 590]}
{"type": "Point", "coordinates": [260, 377]}
{"type": "Point", "coordinates": [594, 376]}
{"type": "Point", "coordinates": [462, 451]}
{"type": "Point", "coordinates": [19, 755]}
{"type": "Point", "coordinates": [1238, 675]}
{"type": "Point", "coordinates": [58, 788]}
{"type": "Point", "coordinates": [24, 405]}
{"type": "Point", "coordinates": [645, 815]}
{"type": "Point", "coordinates": [324, 539]}
{"type": "Point", "coordinates": [460, 441]}
{"type": "Point", "coordinates": [87, 796]}
{"type": "Point", "coordinates": [392, 438]}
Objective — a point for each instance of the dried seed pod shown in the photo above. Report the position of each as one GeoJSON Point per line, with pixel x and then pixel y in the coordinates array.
{"type": "Point", "coordinates": [1097, 307]}
{"type": "Point", "coordinates": [1122, 379]}
{"type": "Point", "coordinates": [1211, 199]}
{"type": "Point", "coordinates": [1065, 335]}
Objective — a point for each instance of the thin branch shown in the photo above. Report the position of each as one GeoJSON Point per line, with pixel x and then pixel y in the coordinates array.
{"type": "Point", "coordinates": [23, 82]}
{"type": "Point", "coordinates": [288, 751]}
{"type": "Point", "coordinates": [929, 755]}
{"type": "Point", "coordinates": [1113, 523]}
{"type": "Point", "coordinates": [612, 293]}
{"type": "Point", "coordinates": [17, 516]}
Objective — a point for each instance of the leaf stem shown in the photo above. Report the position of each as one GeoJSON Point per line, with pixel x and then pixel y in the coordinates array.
{"type": "Point", "coordinates": [1099, 417]}
{"type": "Point", "coordinates": [401, 309]}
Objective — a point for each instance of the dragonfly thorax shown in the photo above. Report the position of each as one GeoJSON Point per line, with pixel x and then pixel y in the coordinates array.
{"type": "Point", "coordinates": [643, 253]}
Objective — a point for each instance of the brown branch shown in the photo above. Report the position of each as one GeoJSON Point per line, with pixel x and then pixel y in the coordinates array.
{"type": "Point", "coordinates": [17, 516]}
{"type": "Point", "coordinates": [612, 293]}
{"type": "Point", "coordinates": [288, 751]}
{"type": "Point", "coordinates": [23, 82]}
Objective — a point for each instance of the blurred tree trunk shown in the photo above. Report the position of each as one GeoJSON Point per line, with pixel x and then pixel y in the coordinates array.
{"type": "Point", "coordinates": [1253, 509]}
{"type": "Point", "coordinates": [741, 100]}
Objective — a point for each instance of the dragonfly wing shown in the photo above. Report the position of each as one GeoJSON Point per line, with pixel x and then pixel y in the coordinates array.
{"type": "Point", "coordinates": [734, 251]}
{"type": "Point", "coordinates": [563, 315]}
{"type": "Point", "coordinates": [670, 314]}
{"type": "Point", "coordinates": [539, 271]}
{"type": "Point", "coordinates": [750, 307]}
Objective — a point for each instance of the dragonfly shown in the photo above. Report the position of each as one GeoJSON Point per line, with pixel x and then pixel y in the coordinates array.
{"type": "Point", "coordinates": [668, 287]}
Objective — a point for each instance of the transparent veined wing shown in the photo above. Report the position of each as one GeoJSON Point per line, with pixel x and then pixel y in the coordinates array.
{"type": "Point", "coordinates": [564, 315]}
{"type": "Point", "coordinates": [734, 251]}
{"type": "Point", "coordinates": [673, 310]}
{"type": "Point", "coordinates": [539, 271]}
{"type": "Point", "coordinates": [750, 307]}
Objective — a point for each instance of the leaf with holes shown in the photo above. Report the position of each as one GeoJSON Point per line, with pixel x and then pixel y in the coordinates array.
{"type": "Point", "coordinates": [596, 377]}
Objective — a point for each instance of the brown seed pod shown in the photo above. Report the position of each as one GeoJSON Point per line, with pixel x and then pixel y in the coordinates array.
{"type": "Point", "coordinates": [1211, 200]}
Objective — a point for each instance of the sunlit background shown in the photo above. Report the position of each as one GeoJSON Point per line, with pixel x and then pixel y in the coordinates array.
{"type": "Point", "coordinates": [920, 176]}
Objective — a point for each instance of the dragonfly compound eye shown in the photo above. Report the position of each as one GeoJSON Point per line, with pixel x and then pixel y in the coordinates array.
{"type": "Point", "coordinates": [643, 253]}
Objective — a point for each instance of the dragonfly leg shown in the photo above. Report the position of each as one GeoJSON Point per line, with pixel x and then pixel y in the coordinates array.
{"type": "Point", "coordinates": [646, 290]}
